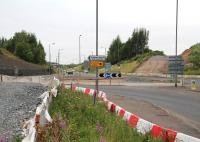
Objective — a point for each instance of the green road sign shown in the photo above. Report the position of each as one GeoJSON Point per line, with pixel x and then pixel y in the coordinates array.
{"type": "Point", "coordinates": [176, 65]}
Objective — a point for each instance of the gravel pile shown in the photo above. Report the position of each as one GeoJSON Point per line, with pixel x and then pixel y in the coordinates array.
{"type": "Point", "coordinates": [18, 101]}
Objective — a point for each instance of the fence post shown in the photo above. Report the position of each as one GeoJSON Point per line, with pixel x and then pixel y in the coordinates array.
{"type": "Point", "coordinates": [71, 86]}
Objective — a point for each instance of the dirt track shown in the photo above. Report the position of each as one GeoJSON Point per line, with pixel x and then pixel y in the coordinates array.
{"type": "Point", "coordinates": [156, 64]}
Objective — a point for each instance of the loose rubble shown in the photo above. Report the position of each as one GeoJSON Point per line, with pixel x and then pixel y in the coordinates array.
{"type": "Point", "coordinates": [18, 102]}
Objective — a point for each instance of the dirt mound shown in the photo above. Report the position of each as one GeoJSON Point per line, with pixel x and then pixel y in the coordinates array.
{"type": "Point", "coordinates": [185, 55]}
{"type": "Point", "coordinates": [156, 64]}
{"type": "Point", "coordinates": [9, 62]}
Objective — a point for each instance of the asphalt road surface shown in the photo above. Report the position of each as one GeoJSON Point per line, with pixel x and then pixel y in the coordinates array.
{"type": "Point", "coordinates": [181, 101]}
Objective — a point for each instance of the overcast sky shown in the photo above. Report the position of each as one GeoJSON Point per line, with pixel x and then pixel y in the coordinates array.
{"type": "Point", "coordinates": [62, 21]}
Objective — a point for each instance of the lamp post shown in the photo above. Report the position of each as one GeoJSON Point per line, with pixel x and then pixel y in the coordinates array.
{"type": "Point", "coordinates": [176, 76]}
{"type": "Point", "coordinates": [80, 49]}
{"type": "Point", "coordinates": [59, 59]}
{"type": "Point", "coordinates": [50, 57]}
{"type": "Point", "coordinates": [104, 50]}
{"type": "Point", "coordinates": [97, 81]}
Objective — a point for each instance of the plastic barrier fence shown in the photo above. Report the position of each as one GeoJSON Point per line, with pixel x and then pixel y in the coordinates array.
{"type": "Point", "coordinates": [138, 123]}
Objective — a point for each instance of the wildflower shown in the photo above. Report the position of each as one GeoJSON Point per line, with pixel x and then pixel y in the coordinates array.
{"type": "Point", "coordinates": [99, 128]}
{"type": "Point", "coordinates": [3, 140]}
{"type": "Point", "coordinates": [102, 140]}
{"type": "Point", "coordinates": [62, 124]}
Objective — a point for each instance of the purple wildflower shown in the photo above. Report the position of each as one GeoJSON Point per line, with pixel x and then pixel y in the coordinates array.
{"type": "Point", "coordinates": [102, 140]}
{"type": "Point", "coordinates": [63, 124]}
{"type": "Point", "coordinates": [3, 140]}
{"type": "Point", "coordinates": [99, 128]}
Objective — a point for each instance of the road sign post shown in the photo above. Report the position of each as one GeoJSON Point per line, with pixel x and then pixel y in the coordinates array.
{"type": "Point", "coordinates": [176, 67]}
{"type": "Point", "coordinates": [96, 64]}
{"type": "Point", "coordinates": [107, 67]}
{"type": "Point", "coordinates": [96, 61]}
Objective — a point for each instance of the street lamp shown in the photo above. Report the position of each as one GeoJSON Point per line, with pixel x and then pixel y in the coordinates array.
{"type": "Point", "coordinates": [50, 56]}
{"type": "Point", "coordinates": [80, 49]}
{"type": "Point", "coordinates": [104, 49]}
{"type": "Point", "coordinates": [59, 59]}
{"type": "Point", "coordinates": [176, 76]}
{"type": "Point", "coordinates": [97, 20]}
{"type": "Point", "coordinates": [59, 55]}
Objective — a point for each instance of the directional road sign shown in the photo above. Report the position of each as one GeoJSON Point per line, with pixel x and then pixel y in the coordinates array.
{"type": "Point", "coordinates": [97, 61]}
{"type": "Point", "coordinates": [107, 75]}
{"type": "Point", "coordinates": [107, 67]}
{"type": "Point", "coordinates": [97, 58]}
{"type": "Point", "coordinates": [110, 75]}
{"type": "Point", "coordinates": [176, 65]}
{"type": "Point", "coordinates": [96, 64]}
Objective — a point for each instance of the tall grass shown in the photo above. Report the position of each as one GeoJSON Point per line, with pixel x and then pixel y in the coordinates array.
{"type": "Point", "coordinates": [76, 119]}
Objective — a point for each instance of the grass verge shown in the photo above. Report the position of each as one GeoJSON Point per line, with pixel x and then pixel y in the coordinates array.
{"type": "Point", "coordinates": [76, 119]}
{"type": "Point", "coordinates": [192, 72]}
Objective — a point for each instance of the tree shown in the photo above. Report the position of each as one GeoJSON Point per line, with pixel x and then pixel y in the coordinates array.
{"type": "Point", "coordinates": [125, 50]}
{"type": "Point", "coordinates": [139, 41]}
{"type": "Point", "coordinates": [23, 50]}
{"type": "Point", "coordinates": [137, 44]}
{"type": "Point", "coordinates": [26, 46]}
{"type": "Point", "coordinates": [114, 50]}
{"type": "Point", "coordinates": [2, 42]}
{"type": "Point", "coordinates": [194, 57]}
{"type": "Point", "coordinates": [39, 54]}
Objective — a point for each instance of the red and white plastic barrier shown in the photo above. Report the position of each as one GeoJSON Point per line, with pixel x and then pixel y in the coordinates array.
{"type": "Point", "coordinates": [141, 125]}
{"type": "Point", "coordinates": [42, 116]}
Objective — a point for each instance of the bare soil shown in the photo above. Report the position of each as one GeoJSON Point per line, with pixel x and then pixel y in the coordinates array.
{"type": "Point", "coordinates": [156, 64]}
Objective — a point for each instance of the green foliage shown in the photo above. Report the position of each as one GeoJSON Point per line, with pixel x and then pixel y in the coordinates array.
{"type": "Point", "coordinates": [192, 72]}
{"type": "Point", "coordinates": [194, 57]}
{"type": "Point", "coordinates": [81, 121]}
{"type": "Point", "coordinates": [25, 46]}
{"type": "Point", "coordinates": [114, 50]}
{"type": "Point", "coordinates": [2, 42]}
{"type": "Point", "coordinates": [137, 44]}
{"type": "Point", "coordinates": [70, 66]}
{"type": "Point", "coordinates": [23, 51]}
{"type": "Point", "coordinates": [17, 139]}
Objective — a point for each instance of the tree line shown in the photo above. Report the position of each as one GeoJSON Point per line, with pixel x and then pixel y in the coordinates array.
{"type": "Point", "coordinates": [135, 45]}
{"type": "Point", "coordinates": [25, 46]}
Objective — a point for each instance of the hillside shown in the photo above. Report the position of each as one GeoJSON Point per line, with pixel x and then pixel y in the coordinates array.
{"type": "Point", "coordinates": [192, 67]}
{"type": "Point", "coordinates": [155, 64]}
{"type": "Point", "coordinates": [9, 62]}
{"type": "Point", "coordinates": [185, 55]}
{"type": "Point", "coordinates": [143, 63]}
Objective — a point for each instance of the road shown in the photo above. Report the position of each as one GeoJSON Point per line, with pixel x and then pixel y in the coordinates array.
{"type": "Point", "coordinates": [179, 101]}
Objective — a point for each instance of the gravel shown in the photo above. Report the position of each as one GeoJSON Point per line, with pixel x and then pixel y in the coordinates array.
{"type": "Point", "coordinates": [147, 79]}
{"type": "Point", "coordinates": [18, 102]}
